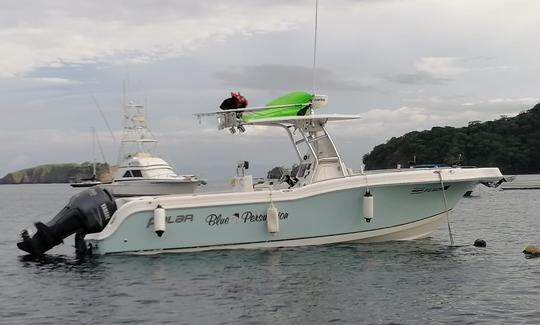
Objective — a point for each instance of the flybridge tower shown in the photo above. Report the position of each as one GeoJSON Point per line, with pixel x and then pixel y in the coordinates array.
{"type": "Point", "coordinates": [136, 137]}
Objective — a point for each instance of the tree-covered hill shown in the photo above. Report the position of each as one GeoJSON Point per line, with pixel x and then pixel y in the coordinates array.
{"type": "Point", "coordinates": [510, 143]}
{"type": "Point", "coordinates": [56, 173]}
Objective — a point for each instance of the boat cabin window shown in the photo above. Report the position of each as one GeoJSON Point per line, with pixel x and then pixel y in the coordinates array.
{"type": "Point", "coordinates": [133, 173]}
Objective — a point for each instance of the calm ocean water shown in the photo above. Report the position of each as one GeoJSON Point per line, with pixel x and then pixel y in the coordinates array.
{"type": "Point", "coordinates": [417, 282]}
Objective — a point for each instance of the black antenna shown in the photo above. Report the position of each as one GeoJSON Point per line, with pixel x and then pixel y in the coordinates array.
{"type": "Point", "coordinates": [315, 47]}
{"type": "Point", "coordinates": [103, 117]}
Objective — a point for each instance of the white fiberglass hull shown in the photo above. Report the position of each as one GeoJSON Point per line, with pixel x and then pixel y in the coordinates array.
{"type": "Point", "coordinates": [408, 205]}
{"type": "Point", "coordinates": [150, 187]}
{"type": "Point", "coordinates": [412, 231]}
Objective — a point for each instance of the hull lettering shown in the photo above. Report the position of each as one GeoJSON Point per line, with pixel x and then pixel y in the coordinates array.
{"type": "Point", "coordinates": [170, 219]}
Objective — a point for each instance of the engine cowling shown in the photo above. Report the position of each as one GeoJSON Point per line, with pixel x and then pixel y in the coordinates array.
{"type": "Point", "coordinates": [87, 212]}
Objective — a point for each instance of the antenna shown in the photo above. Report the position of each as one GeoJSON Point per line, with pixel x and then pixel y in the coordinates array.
{"type": "Point", "coordinates": [315, 46]}
{"type": "Point", "coordinates": [103, 117]}
{"type": "Point", "coordinates": [100, 149]}
{"type": "Point", "coordinates": [93, 152]}
{"type": "Point", "coordinates": [124, 95]}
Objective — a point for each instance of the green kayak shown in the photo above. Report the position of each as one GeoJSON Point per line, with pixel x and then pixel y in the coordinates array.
{"type": "Point", "coordinates": [296, 97]}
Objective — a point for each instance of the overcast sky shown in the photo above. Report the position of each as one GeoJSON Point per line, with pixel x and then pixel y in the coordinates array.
{"type": "Point", "coordinates": [401, 65]}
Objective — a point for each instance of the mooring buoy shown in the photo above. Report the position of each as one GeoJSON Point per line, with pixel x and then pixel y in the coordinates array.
{"type": "Point", "coordinates": [532, 251]}
{"type": "Point", "coordinates": [480, 243]}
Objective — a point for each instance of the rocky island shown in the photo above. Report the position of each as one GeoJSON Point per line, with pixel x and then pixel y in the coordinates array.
{"type": "Point", "coordinates": [57, 173]}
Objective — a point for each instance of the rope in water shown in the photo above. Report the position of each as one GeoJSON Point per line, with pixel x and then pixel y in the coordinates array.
{"type": "Point", "coordinates": [446, 208]}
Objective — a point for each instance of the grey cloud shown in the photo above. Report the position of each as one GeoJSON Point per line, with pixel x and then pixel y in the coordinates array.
{"type": "Point", "coordinates": [278, 77]}
{"type": "Point", "coordinates": [141, 11]}
{"type": "Point", "coordinates": [417, 78]}
{"type": "Point", "coordinates": [123, 10]}
{"type": "Point", "coordinates": [127, 32]}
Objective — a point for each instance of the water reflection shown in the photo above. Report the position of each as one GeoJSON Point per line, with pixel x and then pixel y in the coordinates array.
{"type": "Point", "coordinates": [48, 263]}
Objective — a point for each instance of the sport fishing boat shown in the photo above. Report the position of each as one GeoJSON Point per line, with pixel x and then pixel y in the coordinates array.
{"type": "Point", "coordinates": [325, 202]}
{"type": "Point", "coordinates": [140, 171]}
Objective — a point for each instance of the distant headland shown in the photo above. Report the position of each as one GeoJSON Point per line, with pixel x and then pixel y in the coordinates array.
{"type": "Point", "coordinates": [57, 173]}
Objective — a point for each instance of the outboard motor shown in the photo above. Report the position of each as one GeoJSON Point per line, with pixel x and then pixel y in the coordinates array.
{"type": "Point", "coordinates": [87, 212]}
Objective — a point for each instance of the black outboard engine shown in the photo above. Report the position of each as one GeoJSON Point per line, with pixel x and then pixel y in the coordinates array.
{"type": "Point", "coordinates": [87, 212]}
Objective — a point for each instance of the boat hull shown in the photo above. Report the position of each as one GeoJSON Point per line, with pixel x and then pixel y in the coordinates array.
{"type": "Point", "coordinates": [415, 230]}
{"type": "Point", "coordinates": [321, 213]}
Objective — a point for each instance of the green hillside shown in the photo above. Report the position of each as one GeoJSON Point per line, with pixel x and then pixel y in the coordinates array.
{"type": "Point", "coordinates": [512, 144]}
{"type": "Point", "coordinates": [56, 173]}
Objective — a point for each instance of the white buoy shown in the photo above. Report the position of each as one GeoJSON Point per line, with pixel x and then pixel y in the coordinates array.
{"type": "Point", "coordinates": [272, 219]}
{"type": "Point", "coordinates": [159, 220]}
{"type": "Point", "coordinates": [368, 206]}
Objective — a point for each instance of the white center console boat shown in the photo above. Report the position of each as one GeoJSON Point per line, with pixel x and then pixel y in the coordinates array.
{"type": "Point", "coordinates": [326, 202]}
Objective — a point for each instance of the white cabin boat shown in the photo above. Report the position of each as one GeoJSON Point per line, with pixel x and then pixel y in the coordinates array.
{"type": "Point", "coordinates": [140, 172]}
{"type": "Point", "coordinates": [144, 174]}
